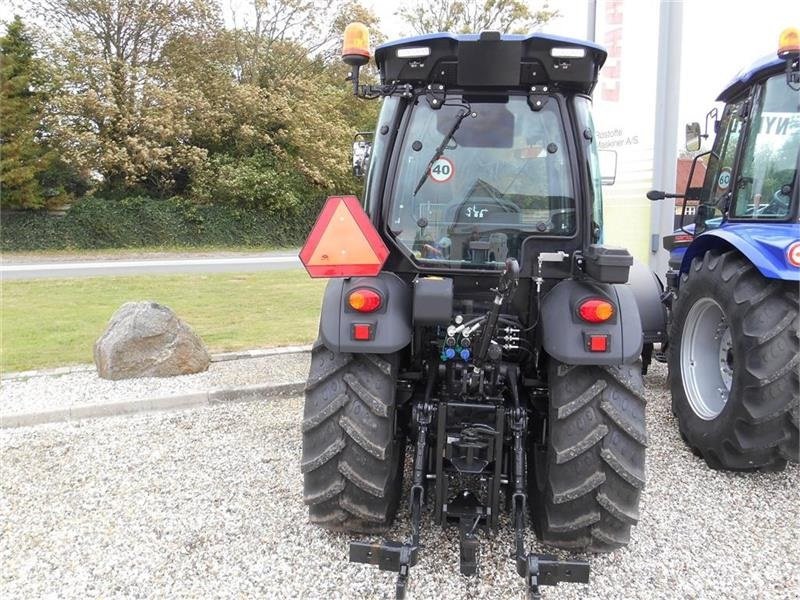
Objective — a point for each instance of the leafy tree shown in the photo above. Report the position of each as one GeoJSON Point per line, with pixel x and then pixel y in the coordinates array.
{"type": "Point", "coordinates": [23, 156]}
{"type": "Point", "coordinates": [305, 113]}
{"type": "Point", "coordinates": [156, 97]}
{"type": "Point", "coordinates": [473, 16]}
{"type": "Point", "coordinates": [118, 115]}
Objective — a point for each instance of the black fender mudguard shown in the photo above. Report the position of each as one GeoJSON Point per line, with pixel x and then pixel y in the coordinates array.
{"type": "Point", "coordinates": [391, 323]}
{"type": "Point", "coordinates": [564, 333]}
{"type": "Point", "coordinates": [647, 289]}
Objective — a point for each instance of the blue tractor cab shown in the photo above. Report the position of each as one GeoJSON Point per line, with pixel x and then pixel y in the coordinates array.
{"type": "Point", "coordinates": [733, 349]}
{"type": "Point", "coordinates": [772, 211]}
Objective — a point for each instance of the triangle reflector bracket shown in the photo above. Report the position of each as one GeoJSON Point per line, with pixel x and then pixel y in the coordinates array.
{"type": "Point", "coordinates": [343, 242]}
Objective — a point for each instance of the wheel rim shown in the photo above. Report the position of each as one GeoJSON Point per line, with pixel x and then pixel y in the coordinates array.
{"type": "Point", "coordinates": [707, 359]}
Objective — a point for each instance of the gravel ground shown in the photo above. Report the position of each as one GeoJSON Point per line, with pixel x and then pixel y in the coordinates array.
{"type": "Point", "coordinates": [63, 391]}
{"type": "Point", "coordinates": [207, 503]}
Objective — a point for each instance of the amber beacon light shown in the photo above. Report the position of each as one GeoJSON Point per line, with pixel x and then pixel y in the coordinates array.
{"type": "Point", "coordinates": [355, 50]}
{"type": "Point", "coordinates": [789, 43]}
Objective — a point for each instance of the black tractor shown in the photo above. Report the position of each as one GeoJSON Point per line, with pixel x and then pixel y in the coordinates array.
{"type": "Point", "coordinates": [476, 334]}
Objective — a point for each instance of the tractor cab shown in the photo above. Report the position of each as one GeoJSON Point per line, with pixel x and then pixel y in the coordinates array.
{"type": "Point", "coordinates": [750, 187]}
{"type": "Point", "coordinates": [476, 150]}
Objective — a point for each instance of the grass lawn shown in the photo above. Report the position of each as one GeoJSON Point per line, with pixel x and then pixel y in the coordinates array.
{"type": "Point", "coordinates": [54, 322]}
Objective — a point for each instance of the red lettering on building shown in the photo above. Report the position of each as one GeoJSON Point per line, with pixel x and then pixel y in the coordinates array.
{"type": "Point", "coordinates": [614, 12]}
{"type": "Point", "coordinates": [612, 72]}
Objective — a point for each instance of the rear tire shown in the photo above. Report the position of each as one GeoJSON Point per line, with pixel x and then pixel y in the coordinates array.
{"type": "Point", "coordinates": [585, 485]}
{"type": "Point", "coordinates": [352, 461]}
{"type": "Point", "coordinates": [741, 413]}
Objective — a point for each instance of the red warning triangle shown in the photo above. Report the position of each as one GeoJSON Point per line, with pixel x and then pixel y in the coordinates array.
{"type": "Point", "coordinates": [343, 242]}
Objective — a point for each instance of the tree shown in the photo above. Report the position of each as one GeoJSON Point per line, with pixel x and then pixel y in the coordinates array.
{"type": "Point", "coordinates": [23, 156]}
{"type": "Point", "coordinates": [473, 16]}
{"type": "Point", "coordinates": [117, 113]}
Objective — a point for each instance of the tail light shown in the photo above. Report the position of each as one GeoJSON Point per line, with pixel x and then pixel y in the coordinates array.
{"type": "Point", "coordinates": [364, 300]}
{"type": "Point", "coordinates": [595, 310]}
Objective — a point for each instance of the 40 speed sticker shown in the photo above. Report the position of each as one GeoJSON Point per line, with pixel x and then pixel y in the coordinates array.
{"type": "Point", "coordinates": [441, 170]}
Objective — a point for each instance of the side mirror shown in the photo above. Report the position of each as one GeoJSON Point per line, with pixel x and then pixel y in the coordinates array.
{"type": "Point", "coordinates": [693, 136]}
{"type": "Point", "coordinates": [362, 149]}
{"type": "Point", "coordinates": [608, 166]}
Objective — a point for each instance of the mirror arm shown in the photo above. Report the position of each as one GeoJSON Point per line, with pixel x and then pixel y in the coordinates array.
{"type": "Point", "coordinates": [714, 114]}
{"type": "Point", "coordinates": [659, 195]}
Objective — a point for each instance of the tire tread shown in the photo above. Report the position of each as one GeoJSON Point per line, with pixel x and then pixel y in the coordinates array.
{"type": "Point", "coordinates": [756, 429]}
{"type": "Point", "coordinates": [352, 456]}
{"type": "Point", "coordinates": [590, 497]}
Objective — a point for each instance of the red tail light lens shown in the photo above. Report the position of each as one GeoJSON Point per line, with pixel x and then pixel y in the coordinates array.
{"type": "Point", "coordinates": [364, 300]}
{"type": "Point", "coordinates": [362, 332]}
{"type": "Point", "coordinates": [595, 310]}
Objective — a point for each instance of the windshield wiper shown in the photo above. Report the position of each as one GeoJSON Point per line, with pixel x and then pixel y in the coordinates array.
{"type": "Point", "coordinates": [440, 150]}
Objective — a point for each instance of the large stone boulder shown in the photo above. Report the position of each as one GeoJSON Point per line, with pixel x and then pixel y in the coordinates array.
{"type": "Point", "coordinates": [146, 339]}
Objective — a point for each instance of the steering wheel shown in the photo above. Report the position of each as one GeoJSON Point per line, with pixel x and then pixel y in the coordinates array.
{"type": "Point", "coordinates": [779, 203]}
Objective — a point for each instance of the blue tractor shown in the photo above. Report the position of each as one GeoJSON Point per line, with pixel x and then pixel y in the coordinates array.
{"type": "Point", "coordinates": [733, 283]}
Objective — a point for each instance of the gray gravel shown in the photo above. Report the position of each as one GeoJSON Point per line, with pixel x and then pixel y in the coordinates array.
{"type": "Point", "coordinates": [64, 391]}
{"type": "Point", "coordinates": [206, 503]}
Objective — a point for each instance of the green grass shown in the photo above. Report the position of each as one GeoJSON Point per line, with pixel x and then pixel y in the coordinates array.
{"type": "Point", "coordinates": [54, 322]}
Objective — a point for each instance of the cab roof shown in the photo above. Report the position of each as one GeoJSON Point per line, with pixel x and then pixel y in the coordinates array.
{"type": "Point", "coordinates": [760, 69]}
{"type": "Point", "coordinates": [491, 60]}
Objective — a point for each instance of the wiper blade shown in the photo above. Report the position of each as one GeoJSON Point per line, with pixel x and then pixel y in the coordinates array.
{"type": "Point", "coordinates": [440, 150]}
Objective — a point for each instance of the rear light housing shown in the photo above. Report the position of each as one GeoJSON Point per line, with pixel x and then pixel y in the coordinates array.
{"type": "Point", "coordinates": [595, 310]}
{"type": "Point", "coordinates": [364, 300]}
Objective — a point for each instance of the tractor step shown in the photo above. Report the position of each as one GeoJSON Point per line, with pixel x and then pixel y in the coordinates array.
{"type": "Point", "coordinates": [546, 569]}
{"type": "Point", "coordinates": [387, 555]}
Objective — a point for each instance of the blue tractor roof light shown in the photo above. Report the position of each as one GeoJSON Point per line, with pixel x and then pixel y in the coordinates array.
{"type": "Point", "coordinates": [490, 59]}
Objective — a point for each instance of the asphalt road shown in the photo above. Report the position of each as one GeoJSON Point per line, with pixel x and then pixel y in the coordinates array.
{"type": "Point", "coordinates": [267, 261]}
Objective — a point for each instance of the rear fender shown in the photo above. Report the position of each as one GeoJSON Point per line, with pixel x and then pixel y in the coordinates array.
{"type": "Point", "coordinates": [391, 323]}
{"type": "Point", "coordinates": [764, 245]}
{"type": "Point", "coordinates": [564, 332]}
{"type": "Point", "coordinates": [647, 289]}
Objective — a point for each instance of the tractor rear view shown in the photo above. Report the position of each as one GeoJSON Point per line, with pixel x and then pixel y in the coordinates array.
{"type": "Point", "coordinates": [734, 351]}
{"type": "Point", "coordinates": [474, 321]}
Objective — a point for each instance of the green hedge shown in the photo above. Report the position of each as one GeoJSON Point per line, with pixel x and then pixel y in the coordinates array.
{"type": "Point", "coordinates": [140, 221]}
